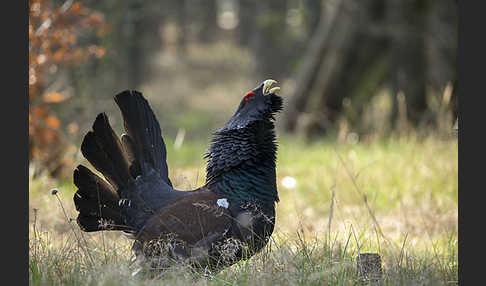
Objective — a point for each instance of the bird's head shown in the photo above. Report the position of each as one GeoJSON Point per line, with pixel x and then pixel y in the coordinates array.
{"type": "Point", "coordinates": [257, 105]}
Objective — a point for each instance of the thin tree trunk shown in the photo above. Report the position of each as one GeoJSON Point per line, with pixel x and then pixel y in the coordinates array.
{"type": "Point", "coordinates": [134, 56]}
{"type": "Point", "coordinates": [306, 75]}
{"type": "Point", "coordinates": [247, 21]}
{"type": "Point", "coordinates": [325, 104]}
{"type": "Point", "coordinates": [271, 44]}
{"type": "Point", "coordinates": [441, 48]}
{"type": "Point", "coordinates": [181, 22]}
{"type": "Point", "coordinates": [209, 21]}
{"type": "Point", "coordinates": [312, 15]}
{"type": "Point", "coordinates": [407, 18]}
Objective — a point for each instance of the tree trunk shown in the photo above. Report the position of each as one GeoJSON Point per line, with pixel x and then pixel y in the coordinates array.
{"type": "Point", "coordinates": [271, 42]}
{"type": "Point", "coordinates": [441, 48]}
{"type": "Point", "coordinates": [134, 29]}
{"type": "Point", "coordinates": [312, 15]}
{"type": "Point", "coordinates": [407, 19]}
{"type": "Point", "coordinates": [182, 25]}
{"type": "Point", "coordinates": [340, 53]}
{"type": "Point", "coordinates": [209, 23]}
{"type": "Point", "coordinates": [247, 21]}
{"type": "Point", "coordinates": [306, 75]}
{"type": "Point", "coordinates": [341, 69]}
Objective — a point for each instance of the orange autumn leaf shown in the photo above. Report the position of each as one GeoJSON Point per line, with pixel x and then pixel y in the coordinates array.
{"type": "Point", "coordinates": [54, 97]}
{"type": "Point", "coordinates": [95, 18]}
{"type": "Point", "coordinates": [39, 112]}
{"type": "Point", "coordinates": [76, 7]}
{"type": "Point", "coordinates": [36, 152]}
{"type": "Point", "coordinates": [48, 136]}
{"type": "Point", "coordinates": [53, 122]}
{"type": "Point", "coordinates": [58, 55]}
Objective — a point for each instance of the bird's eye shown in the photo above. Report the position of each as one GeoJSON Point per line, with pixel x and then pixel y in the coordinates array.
{"type": "Point", "coordinates": [248, 96]}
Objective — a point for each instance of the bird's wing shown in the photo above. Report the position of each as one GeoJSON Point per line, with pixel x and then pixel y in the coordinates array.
{"type": "Point", "coordinates": [190, 218]}
{"type": "Point", "coordinates": [197, 220]}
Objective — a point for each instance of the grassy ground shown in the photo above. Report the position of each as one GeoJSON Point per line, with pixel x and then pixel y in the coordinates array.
{"type": "Point", "coordinates": [396, 197]}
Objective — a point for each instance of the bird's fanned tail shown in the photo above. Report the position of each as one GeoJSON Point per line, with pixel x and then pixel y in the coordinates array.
{"type": "Point", "coordinates": [97, 200]}
{"type": "Point", "coordinates": [123, 201]}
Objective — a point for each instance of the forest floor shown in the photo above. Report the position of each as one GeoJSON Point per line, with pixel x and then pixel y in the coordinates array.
{"type": "Point", "coordinates": [395, 197]}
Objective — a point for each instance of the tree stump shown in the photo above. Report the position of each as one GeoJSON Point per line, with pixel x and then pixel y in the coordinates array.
{"type": "Point", "coordinates": [369, 267]}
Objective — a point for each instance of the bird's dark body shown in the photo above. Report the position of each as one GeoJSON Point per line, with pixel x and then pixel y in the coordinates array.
{"type": "Point", "coordinates": [228, 219]}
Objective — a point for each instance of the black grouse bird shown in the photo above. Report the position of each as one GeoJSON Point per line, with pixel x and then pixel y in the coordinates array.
{"type": "Point", "coordinates": [228, 219]}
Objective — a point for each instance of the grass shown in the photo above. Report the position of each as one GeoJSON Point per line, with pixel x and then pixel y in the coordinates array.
{"type": "Point", "coordinates": [396, 197]}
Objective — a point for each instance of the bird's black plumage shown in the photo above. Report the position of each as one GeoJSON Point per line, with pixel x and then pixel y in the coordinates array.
{"type": "Point", "coordinates": [228, 219]}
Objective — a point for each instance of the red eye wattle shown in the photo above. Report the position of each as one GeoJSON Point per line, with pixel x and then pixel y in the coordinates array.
{"type": "Point", "coordinates": [247, 96]}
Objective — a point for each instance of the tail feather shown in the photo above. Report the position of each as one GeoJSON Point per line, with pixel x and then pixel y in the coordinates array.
{"type": "Point", "coordinates": [97, 203]}
{"type": "Point", "coordinates": [102, 148]}
{"type": "Point", "coordinates": [127, 144]}
{"type": "Point", "coordinates": [93, 187]}
{"type": "Point", "coordinates": [143, 131]}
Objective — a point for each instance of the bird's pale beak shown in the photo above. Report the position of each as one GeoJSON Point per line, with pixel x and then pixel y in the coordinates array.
{"type": "Point", "coordinates": [267, 87]}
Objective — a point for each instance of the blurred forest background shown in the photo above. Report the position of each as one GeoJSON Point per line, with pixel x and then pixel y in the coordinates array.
{"type": "Point", "coordinates": [349, 70]}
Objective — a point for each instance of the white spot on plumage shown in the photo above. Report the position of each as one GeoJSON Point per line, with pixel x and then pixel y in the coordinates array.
{"type": "Point", "coordinates": [223, 203]}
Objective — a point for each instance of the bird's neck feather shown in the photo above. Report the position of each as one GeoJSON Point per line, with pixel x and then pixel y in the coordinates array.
{"type": "Point", "coordinates": [241, 164]}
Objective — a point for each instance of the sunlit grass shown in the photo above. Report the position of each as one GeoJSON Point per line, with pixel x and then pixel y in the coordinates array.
{"type": "Point", "coordinates": [396, 197]}
{"type": "Point", "coordinates": [412, 182]}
